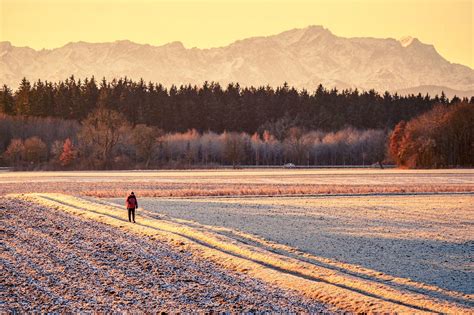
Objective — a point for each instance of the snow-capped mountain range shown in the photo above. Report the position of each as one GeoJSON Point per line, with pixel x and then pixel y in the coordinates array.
{"type": "Point", "coordinates": [303, 58]}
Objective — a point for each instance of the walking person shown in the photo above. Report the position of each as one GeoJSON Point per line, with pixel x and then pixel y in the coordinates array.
{"type": "Point", "coordinates": [132, 204]}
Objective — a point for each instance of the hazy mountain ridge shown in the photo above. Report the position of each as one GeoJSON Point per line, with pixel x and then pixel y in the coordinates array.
{"type": "Point", "coordinates": [302, 57]}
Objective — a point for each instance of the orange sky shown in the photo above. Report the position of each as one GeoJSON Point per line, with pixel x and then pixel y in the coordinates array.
{"type": "Point", "coordinates": [447, 24]}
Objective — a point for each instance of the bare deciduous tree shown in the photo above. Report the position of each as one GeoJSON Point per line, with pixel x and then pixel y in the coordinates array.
{"type": "Point", "coordinates": [15, 152]}
{"type": "Point", "coordinates": [234, 148]}
{"type": "Point", "coordinates": [36, 150]}
{"type": "Point", "coordinates": [146, 139]}
{"type": "Point", "coordinates": [101, 132]}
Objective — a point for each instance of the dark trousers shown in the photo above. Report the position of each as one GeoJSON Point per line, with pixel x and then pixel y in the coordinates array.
{"type": "Point", "coordinates": [131, 214]}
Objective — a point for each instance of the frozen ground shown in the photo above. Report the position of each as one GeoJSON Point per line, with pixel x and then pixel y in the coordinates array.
{"type": "Point", "coordinates": [238, 182]}
{"type": "Point", "coordinates": [356, 252]}
{"type": "Point", "coordinates": [255, 176]}
{"type": "Point", "coordinates": [429, 238]}
{"type": "Point", "coordinates": [340, 286]}
{"type": "Point", "coordinates": [55, 262]}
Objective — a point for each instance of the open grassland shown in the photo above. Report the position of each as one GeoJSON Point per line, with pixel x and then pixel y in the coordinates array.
{"type": "Point", "coordinates": [239, 182]}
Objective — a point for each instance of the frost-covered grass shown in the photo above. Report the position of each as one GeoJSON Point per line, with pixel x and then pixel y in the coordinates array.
{"type": "Point", "coordinates": [428, 238]}
{"type": "Point", "coordinates": [346, 286]}
{"type": "Point", "coordinates": [275, 176]}
{"type": "Point", "coordinates": [238, 182]}
{"type": "Point", "coordinates": [55, 262]}
{"type": "Point", "coordinates": [377, 253]}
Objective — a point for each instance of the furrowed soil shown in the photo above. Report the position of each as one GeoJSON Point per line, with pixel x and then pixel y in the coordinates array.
{"type": "Point", "coordinates": [52, 261]}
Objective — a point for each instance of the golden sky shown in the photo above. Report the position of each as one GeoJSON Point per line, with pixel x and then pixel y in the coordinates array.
{"type": "Point", "coordinates": [447, 24]}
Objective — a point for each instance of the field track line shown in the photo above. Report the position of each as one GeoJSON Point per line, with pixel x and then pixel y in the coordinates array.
{"type": "Point", "coordinates": [330, 286]}
{"type": "Point", "coordinates": [320, 195]}
{"type": "Point", "coordinates": [352, 270]}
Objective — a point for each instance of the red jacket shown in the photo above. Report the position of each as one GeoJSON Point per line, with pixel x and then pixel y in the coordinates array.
{"type": "Point", "coordinates": [131, 202]}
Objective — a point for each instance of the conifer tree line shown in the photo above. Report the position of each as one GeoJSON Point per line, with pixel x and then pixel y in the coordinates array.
{"type": "Point", "coordinates": [214, 108]}
{"type": "Point", "coordinates": [126, 124]}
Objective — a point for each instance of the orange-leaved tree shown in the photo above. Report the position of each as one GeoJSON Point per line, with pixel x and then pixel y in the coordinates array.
{"type": "Point", "coordinates": [441, 137]}
{"type": "Point", "coordinates": [68, 154]}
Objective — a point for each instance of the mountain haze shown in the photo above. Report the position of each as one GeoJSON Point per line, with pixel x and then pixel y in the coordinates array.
{"type": "Point", "coordinates": [302, 57]}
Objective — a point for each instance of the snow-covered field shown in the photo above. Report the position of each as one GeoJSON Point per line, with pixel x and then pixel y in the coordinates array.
{"type": "Point", "coordinates": [428, 238]}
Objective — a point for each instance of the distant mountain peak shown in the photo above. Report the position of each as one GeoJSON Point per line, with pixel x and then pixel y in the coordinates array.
{"type": "Point", "coordinates": [303, 57]}
{"type": "Point", "coordinates": [307, 34]}
{"type": "Point", "coordinates": [175, 45]}
{"type": "Point", "coordinates": [316, 28]}
{"type": "Point", "coordinates": [124, 42]}
{"type": "Point", "coordinates": [408, 40]}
